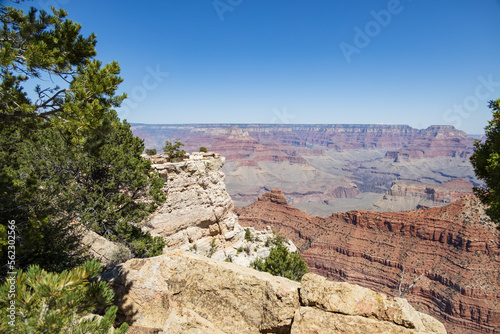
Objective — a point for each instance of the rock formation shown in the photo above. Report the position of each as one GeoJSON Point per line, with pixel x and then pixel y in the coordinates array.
{"type": "Point", "coordinates": [315, 164]}
{"type": "Point", "coordinates": [456, 247]}
{"type": "Point", "coordinates": [106, 251]}
{"type": "Point", "coordinates": [184, 292]}
{"type": "Point", "coordinates": [180, 292]}
{"type": "Point", "coordinates": [411, 195]}
{"type": "Point", "coordinates": [197, 203]}
{"type": "Point", "coordinates": [198, 213]}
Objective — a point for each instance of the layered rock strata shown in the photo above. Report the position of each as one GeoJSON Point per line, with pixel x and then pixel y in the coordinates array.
{"type": "Point", "coordinates": [197, 204]}
{"type": "Point", "coordinates": [456, 248]}
{"type": "Point", "coordinates": [319, 163]}
{"type": "Point", "coordinates": [436, 138]}
{"type": "Point", "coordinates": [411, 195]}
{"type": "Point", "coordinates": [180, 292]}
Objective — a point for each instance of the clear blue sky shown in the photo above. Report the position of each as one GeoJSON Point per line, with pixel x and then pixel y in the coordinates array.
{"type": "Point", "coordinates": [415, 62]}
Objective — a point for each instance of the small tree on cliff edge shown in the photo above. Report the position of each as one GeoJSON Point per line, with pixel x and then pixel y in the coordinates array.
{"type": "Point", "coordinates": [486, 163]}
{"type": "Point", "coordinates": [173, 150]}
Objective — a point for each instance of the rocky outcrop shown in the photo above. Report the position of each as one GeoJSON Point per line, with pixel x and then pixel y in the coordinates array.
{"type": "Point", "coordinates": [180, 292]}
{"type": "Point", "coordinates": [198, 213]}
{"type": "Point", "coordinates": [346, 308]}
{"type": "Point", "coordinates": [411, 195]}
{"type": "Point", "coordinates": [197, 204]}
{"type": "Point", "coordinates": [456, 248]}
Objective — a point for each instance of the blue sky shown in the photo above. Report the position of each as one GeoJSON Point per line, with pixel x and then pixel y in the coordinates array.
{"type": "Point", "coordinates": [415, 62]}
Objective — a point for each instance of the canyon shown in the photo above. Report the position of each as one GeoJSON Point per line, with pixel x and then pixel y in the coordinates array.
{"type": "Point", "coordinates": [455, 247]}
{"type": "Point", "coordinates": [327, 168]}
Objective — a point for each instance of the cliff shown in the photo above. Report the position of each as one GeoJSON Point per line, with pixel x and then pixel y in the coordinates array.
{"type": "Point", "coordinates": [180, 292]}
{"type": "Point", "coordinates": [198, 213]}
{"type": "Point", "coordinates": [337, 136]}
{"type": "Point", "coordinates": [455, 247]}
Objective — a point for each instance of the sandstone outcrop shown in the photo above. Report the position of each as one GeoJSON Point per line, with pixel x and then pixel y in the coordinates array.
{"type": "Point", "coordinates": [197, 204]}
{"type": "Point", "coordinates": [180, 292]}
{"type": "Point", "coordinates": [456, 247]}
{"type": "Point", "coordinates": [198, 213]}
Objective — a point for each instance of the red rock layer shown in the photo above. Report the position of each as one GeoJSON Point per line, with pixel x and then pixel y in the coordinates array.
{"type": "Point", "coordinates": [299, 139]}
{"type": "Point", "coordinates": [456, 248]}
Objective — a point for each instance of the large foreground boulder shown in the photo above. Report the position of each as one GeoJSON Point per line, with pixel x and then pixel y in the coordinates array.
{"type": "Point", "coordinates": [182, 292]}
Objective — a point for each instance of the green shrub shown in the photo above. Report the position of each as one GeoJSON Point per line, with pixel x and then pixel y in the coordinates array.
{"type": "Point", "coordinates": [151, 151]}
{"type": "Point", "coordinates": [281, 262]}
{"type": "Point", "coordinates": [120, 255]}
{"type": "Point", "coordinates": [213, 248]}
{"type": "Point", "coordinates": [248, 235]}
{"type": "Point", "coordinates": [47, 302]}
{"type": "Point", "coordinates": [203, 149]}
{"type": "Point", "coordinates": [140, 242]}
{"type": "Point", "coordinates": [193, 248]}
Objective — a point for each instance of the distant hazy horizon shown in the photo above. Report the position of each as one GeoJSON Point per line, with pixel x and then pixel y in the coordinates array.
{"type": "Point", "coordinates": [337, 62]}
{"type": "Point", "coordinates": [292, 124]}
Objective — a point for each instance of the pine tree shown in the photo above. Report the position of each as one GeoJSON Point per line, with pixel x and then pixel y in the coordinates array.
{"type": "Point", "coordinates": [66, 160]}
{"type": "Point", "coordinates": [486, 163]}
{"type": "Point", "coordinates": [38, 46]}
{"type": "Point", "coordinates": [45, 302]}
{"type": "Point", "coordinates": [173, 149]}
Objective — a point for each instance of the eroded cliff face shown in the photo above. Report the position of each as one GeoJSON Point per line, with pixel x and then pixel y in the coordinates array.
{"type": "Point", "coordinates": [180, 292]}
{"type": "Point", "coordinates": [198, 213]}
{"type": "Point", "coordinates": [455, 247]}
{"type": "Point", "coordinates": [197, 204]}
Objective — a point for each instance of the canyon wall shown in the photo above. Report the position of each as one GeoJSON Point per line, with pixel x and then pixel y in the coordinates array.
{"type": "Point", "coordinates": [456, 248]}
{"type": "Point", "coordinates": [316, 164]}
{"type": "Point", "coordinates": [197, 290]}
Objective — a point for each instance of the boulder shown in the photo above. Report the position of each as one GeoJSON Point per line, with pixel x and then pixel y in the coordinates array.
{"type": "Point", "coordinates": [106, 251]}
{"type": "Point", "coordinates": [395, 315]}
{"type": "Point", "coordinates": [180, 290]}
